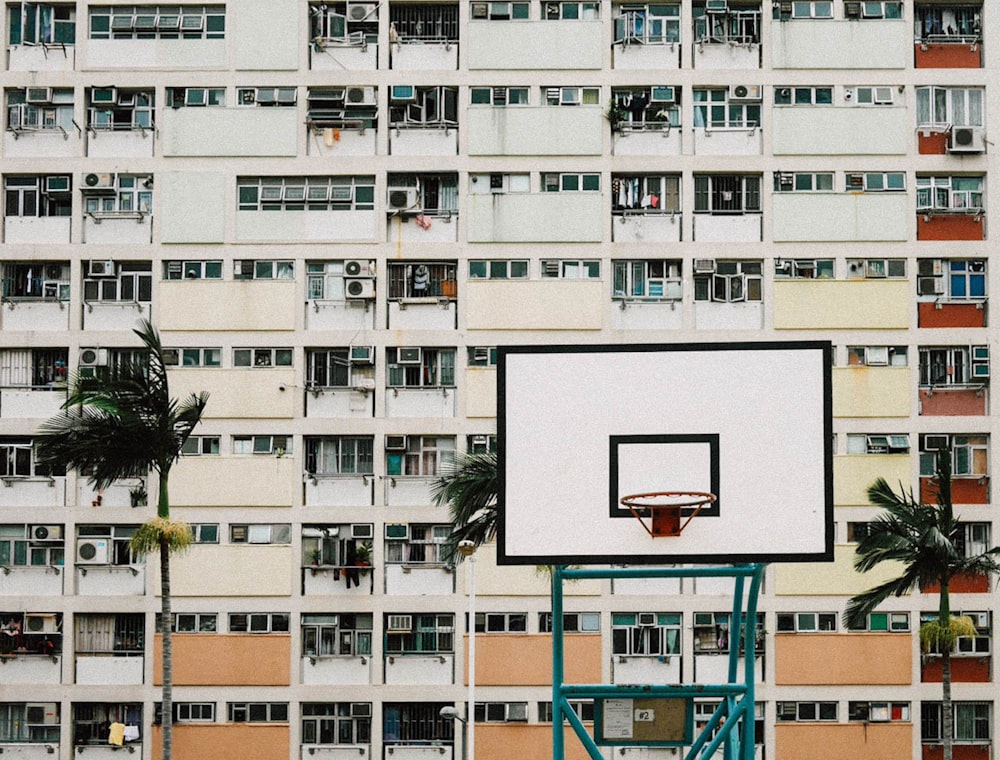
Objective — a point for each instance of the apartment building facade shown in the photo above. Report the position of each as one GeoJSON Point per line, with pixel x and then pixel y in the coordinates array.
{"type": "Point", "coordinates": [335, 211]}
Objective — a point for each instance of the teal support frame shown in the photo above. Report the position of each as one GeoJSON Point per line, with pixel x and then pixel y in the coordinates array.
{"type": "Point", "coordinates": [731, 726]}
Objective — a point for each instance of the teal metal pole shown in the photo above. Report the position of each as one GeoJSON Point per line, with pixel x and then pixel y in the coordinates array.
{"type": "Point", "coordinates": [558, 745]}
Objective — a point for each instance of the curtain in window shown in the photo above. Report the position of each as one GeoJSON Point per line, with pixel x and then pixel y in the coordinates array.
{"type": "Point", "coordinates": [15, 367]}
{"type": "Point", "coordinates": [95, 633]}
{"type": "Point", "coordinates": [700, 96]}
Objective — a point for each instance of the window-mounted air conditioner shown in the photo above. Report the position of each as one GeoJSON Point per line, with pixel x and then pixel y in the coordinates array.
{"type": "Point", "coordinates": [786, 180]}
{"type": "Point", "coordinates": [57, 183]}
{"type": "Point", "coordinates": [359, 268]}
{"type": "Point", "coordinates": [935, 442]}
{"type": "Point", "coordinates": [362, 530]}
{"type": "Point", "coordinates": [360, 96]}
{"type": "Point", "coordinates": [662, 94]}
{"type": "Point", "coordinates": [41, 713]}
{"type": "Point", "coordinates": [360, 288]}
{"type": "Point", "coordinates": [362, 354]}
{"type": "Point", "coordinates": [402, 198]}
{"type": "Point", "coordinates": [855, 181]}
{"type": "Point", "coordinates": [852, 10]}
{"type": "Point", "coordinates": [38, 95]}
{"type": "Point", "coordinates": [397, 531]}
{"type": "Point", "coordinates": [93, 551]}
{"type": "Point", "coordinates": [408, 355]}
{"type": "Point", "coordinates": [967, 140]}
{"type": "Point", "coordinates": [395, 443]}
{"type": "Point", "coordinates": [101, 268]}
{"type": "Point", "coordinates": [979, 619]}
{"type": "Point", "coordinates": [95, 181]}
{"type": "Point", "coordinates": [517, 711]}
{"type": "Point", "coordinates": [481, 353]}
{"type": "Point", "coordinates": [93, 357]}
{"type": "Point", "coordinates": [704, 266]}
{"type": "Point", "coordinates": [480, 440]}
{"type": "Point", "coordinates": [746, 93]}
{"type": "Point", "coordinates": [480, 10]}
{"type": "Point", "coordinates": [716, 6]}
{"type": "Point", "coordinates": [44, 623]}
{"type": "Point", "coordinates": [362, 11]}
{"type": "Point", "coordinates": [46, 532]}
{"type": "Point", "coordinates": [980, 353]}
{"type": "Point", "coordinates": [647, 618]}
{"type": "Point", "coordinates": [171, 357]}
{"type": "Point", "coordinates": [403, 93]}
{"type": "Point", "coordinates": [399, 623]}
{"type": "Point", "coordinates": [361, 710]}
{"type": "Point", "coordinates": [930, 286]}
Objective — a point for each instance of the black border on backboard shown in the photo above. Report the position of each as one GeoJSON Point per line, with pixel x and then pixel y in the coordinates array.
{"type": "Point", "coordinates": [826, 347]}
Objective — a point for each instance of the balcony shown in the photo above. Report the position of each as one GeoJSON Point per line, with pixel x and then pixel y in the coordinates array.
{"type": "Point", "coordinates": [419, 579]}
{"type": "Point", "coordinates": [36, 229]}
{"type": "Point", "coordinates": [118, 228]}
{"type": "Point", "coordinates": [94, 670]}
{"type": "Point", "coordinates": [420, 669]}
{"type": "Point", "coordinates": [347, 670]}
{"type": "Point", "coordinates": [26, 491]}
{"type": "Point", "coordinates": [21, 403]}
{"type": "Point", "coordinates": [111, 580]}
{"type": "Point", "coordinates": [935, 225]}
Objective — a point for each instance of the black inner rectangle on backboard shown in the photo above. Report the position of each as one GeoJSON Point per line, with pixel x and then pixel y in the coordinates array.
{"type": "Point", "coordinates": [663, 462]}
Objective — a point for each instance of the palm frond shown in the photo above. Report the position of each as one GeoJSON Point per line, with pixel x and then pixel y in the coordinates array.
{"type": "Point", "coordinates": [151, 536]}
{"type": "Point", "coordinates": [861, 605]}
{"type": "Point", "coordinates": [469, 488]}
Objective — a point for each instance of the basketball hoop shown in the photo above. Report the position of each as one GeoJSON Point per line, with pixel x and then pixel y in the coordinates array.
{"type": "Point", "coordinates": [665, 509]}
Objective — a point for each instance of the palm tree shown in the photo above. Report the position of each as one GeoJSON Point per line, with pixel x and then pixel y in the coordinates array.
{"type": "Point", "coordinates": [122, 424]}
{"type": "Point", "coordinates": [926, 540]}
{"type": "Point", "coordinates": [469, 488]}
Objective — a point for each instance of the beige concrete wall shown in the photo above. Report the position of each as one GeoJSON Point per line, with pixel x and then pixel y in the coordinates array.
{"type": "Point", "coordinates": [844, 130]}
{"type": "Point", "coordinates": [535, 131]}
{"type": "Point", "coordinates": [230, 131]}
{"type": "Point", "coordinates": [193, 207]}
{"type": "Point", "coordinates": [511, 45]}
{"type": "Point", "coordinates": [840, 217]}
{"type": "Point", "coordinates": [836, 44]}
{"type": "Point", "coordinates": [842, 304]}
{"type": "Point", "coordinates": [231, 570]}
{"type": "Point", "coordinates": [247, 481]}
{"type": "Point", "coordinates": [534, 304]}
{"type": "Point", "coordinates": [854, 473]}
{"type": "Point", "coordinates": [872, 392]}
{"type": "Point", "coordinates": [480, 392]}
{"type": "Point", "coordinates": [214, 305]}
{"type": "Point", "coordinates": [265, 36]}
{"type": "Point", "coordinates": [243, 393]}
{"type": "Point", "coordinates": [536, 218]}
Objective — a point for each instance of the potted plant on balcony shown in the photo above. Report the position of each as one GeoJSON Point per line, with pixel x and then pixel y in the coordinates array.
{"type": "Point", "coordinates": [363, 555]}
{"type": "Point", "coordinates": [138, 496]}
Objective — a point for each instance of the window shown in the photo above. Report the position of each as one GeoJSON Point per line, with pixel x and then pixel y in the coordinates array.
{"type": "Point", "coordinates": [263, 269]}
{"type": "Point", "coordinates": [37, 196]}
{"type": "Point", "coordinates": [872, 182]}
{"type": "Point", "coordinates": [501, 712]}
{"type": "Point", "coordinates": [970, 454]}
{"type": "Point", "coordinates": [712, 633]}
{"type": "Point", "coordinates": [573, 269]}
{"type": "Point", "coordinates": [878, 443]}
{"type": "Point", "coordinates": [33, 23]}
{"type": "Point", "coordinates": [330, 367]}
{"type": "Point", "coordinates": [194, 712]}
{"type": "Point", "coordinates": [415, 544]}
{"type": "Point", "coordinates": [132, 197]}
{"type": "Point", "coordinates": [260, 533]}
{"type": "Point", "coordinates": [944, 107]}
{"type": "Point", "coordinates": [499, 96]}
{"type": "Point", "coordinates": [417, 722]}
{"type": "Point", "coordinates": [727, 281]}
{"type": "Point", "coordinates": [803, 182]}
{"type": "Point", "coordinates": [258, 622]}
{"type": "Point", "coordinates": [40, 109]}
{"type": "Point", "coordinates": [91, 719]}
{"type": "Point", "coordinates": [886, 622]}
{"type": "Point", "coordinates": [16, 729]}
{"type": "Point", "coordinates": [646, 633]}
{"type": "Point", "coordinates": [956, 279]}
{"type": "Point", "coordinates": [873, 9]}
{"type": "Point", "coordinates": [570, 183]}
{"type": "Point", "coordinates": [716, 109]}
{"type": "Point", "coordinates": [573, 622]}
{"type": "Point", "coordinates": [192, 622]}
{"type": "Point", "coordinates": [336, 722]}
{"type": "Point", "coordinates": [421, 279]}
{"type": "Point", "coordinates": [183, 97]}
{"type": "Point", "coordinates": [958, 194]}
{"type": "Point", "coordinates": [437, 22]}
{"type": "Point", "coordinates": [112, 108]}
{"type": "Point", "coordinates": [501, 622]}
{"type": "Point", "coordinates": [803, 269]}
{"type": "Point", "coordinates": [645, 108]}
{"type": "Point", "coordinates": [807, 711]}
{"type": "Point", "coordinates": [342, 193]}
{"type": "Point", "coordinates": [570, 10]}
{"type": "Point", "coordinates": [955, 365]}
{"type": "Point", "coordinates": [17, 460]}
{"type": "Point", "coordinates": [656, 279]}
{"type": "Point", "coordinates": [419, 634]}
{"type": "Point", "coordinates": [973, 539]}
{"type": "Point", "coordinates": [282, 97]}
{"type": "Point", "coordinates": [803, 96]}
{"type": "Point", "coordinates": [421, 367]}
{"type": "Point", "coordinates": [571, 96]}
{"type": "Point", "coordinates": [948, 23]}
{"type": "Point", "coordinates": [119, 634]}
{"type": "Point", "coordinates": [648, 24]}
{"type": "Point", "coordinates": [344, 634]}
{"type": "Point", "coordinates": [726, 194]}
{"type": "Point", "coordinates": [337, 546]}
{"type": "Point", "coordinates": [806, 622]}
{"type": "Point", "coordinates": [498, 269]}
{"type": "Point", "coordinates": [192, 270]}
{"type": "Point", "coordinates": [333, 26]}
{"type": "Point", "coordinates": [734, 26]}
{"type": "Point", "coordinates": [500, 11]}
{"type": "Point", "coordinates": [584, 710]}
{"type": "Point", "coordinates": [205, 533]}
{"type": "Point", "coordinates": [193, 357]}
{"type": "Point", "coordinates": [424, 107]}
{"type": "Point", "coordinates": [869, 96]}
{"type": "Point", "coordinates": [971, 722]}
{"type": "Point", "coordinates": [482, 356]}
{"type": "Point", "coordinates": [423, 455]}
{"type": "Point", "coordinates": [198, 445]}
{"type": "Point", "coordinates": [24, 546]}
{"type": "Point", "coordinates": [876, 356]}
{"type": "Point", "coordinates": [480, 444]}
{"type": "Point", "coordinates": [188, 22]}
{"type": "Point", "coordinates": [876, 269]}
{"type": "Point", "coordinates": [257, 712]}
{"type": "Point", "coordinates": [340, 455]}
{"type": "Point", "coordinates": [878, 712]}
{"type": "Point", "coordinates": [33, 368]}
{"type": "Point", "coordinates": [126, 282]}
{"type": "Point", "coordinates": [262, 357]}
{"type": "Point", "coordinates": [646, 194]}
{"type": "Point", "coordinates": [812, 9]}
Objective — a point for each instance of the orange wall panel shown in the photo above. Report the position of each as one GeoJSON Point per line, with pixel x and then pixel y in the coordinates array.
{"type": "Point", "coordinates": [932, 143]}
{"type": "Point", "coordinates": [949, 227]}
{"type": "Point", "coordinates": [947, 55]}
{"type": "Point", "coordinates": [523, 659]}
{"type": "Point", "coordinates": [963, 670]}
{"type": "Point", "coordinates": [963, 491]}
{"type": "Point", "coordinates": [950, 314]}
{"type": "Point", "coordinates": [837, 741]}
{"type": "Point", "coordinates": [219, 659]}
{"type": "Point", "coordinates": [945, 403]}
{"type": "Point", "coordinates": [226, 741]}
{"type": "Point", "coordinates": [503, 741]}
{"type": "Point", "coordinates": [963, 584]}
{"type": "Point", "coordinates": [959, 752]}
{"type": "Point", "coordinates": [842, 658]}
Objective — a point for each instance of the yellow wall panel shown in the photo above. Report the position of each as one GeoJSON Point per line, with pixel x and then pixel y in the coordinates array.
{"type": "Point", "coordinates": [871, 392]}
{"type": "Point", "coordinates": [518, 580]}
{"type": "Point", "coordinates": [837, 578]}
{"type": "Point", "coordinates": [251, 481]}
{"type": "Point", "coordinates": [480, 393]}
{"type": "Point", "coordinates": [197, 305]}
{"type": "Point", "coordinates": [854, 473]}
{"type": "Point", "coordinates": [842, 304]}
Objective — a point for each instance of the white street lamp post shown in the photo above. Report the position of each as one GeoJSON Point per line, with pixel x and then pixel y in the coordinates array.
{"type": "Point", "coordinates": [467, 549]}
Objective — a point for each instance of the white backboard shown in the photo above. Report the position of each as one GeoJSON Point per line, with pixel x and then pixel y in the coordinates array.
{"type": "Point", "coordinates": [581, 426]}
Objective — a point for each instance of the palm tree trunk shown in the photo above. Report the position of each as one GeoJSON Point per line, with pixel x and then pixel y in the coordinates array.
{"type": "Point", "coordinates": [168, 657]}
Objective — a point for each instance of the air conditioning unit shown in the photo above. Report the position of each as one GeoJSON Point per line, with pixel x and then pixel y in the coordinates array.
{"type": "Point", "coordinates": [745, 93]}
{"type": "Point", "coordinates": [397, 531]}
{"type": "Point", "coordinates": [716, 6]}
{"type": "Point", "coordinates": [171, 357]}
{"type": "Point", "coordinates": [855, 181]}
{"type": "Point", "coordinates": [360, 96]}
{"type": "Point", "coordinates": [93, 357]}
{"type": "Point", "coordinates": [365, 384]}
{"type": "Point", "coordinates": [408, 355]}
{"type": "Point", "coordinates": [403, 93]}
{"type": "Point", "coordinates": [930, 286]}
{"type": "Point", "coordinates": [39, 95]}
{"type": "Point", "coordinates": [361, 710]}
{"type": "Point", "coordinates": [362, 354]}
{"type": "Point", "coordinates": [480, 440]}
{"type": "Point", "coordinates": [786, 180]}
{"type": "Point", "coordinates": [395, 443]}
{"type": "Point", "coordinates": [103, 268]}
{"type": "Point", "coordinates": [41, 714]}
{"type": "Point", "coordinates": [47, 532]}
{"type": "Point", "coordinates": [402, 198]}
{"type": "Point", "coordinates": [935, 442]}
{"type": "Point", "coordinates": [57, 183]}
{"type": "Point", "coordinates": [647, 618]}
{"type": "Point", "coordinates": [517, 711]}
{"type": "Point", "coordinates": [967, 140]}
{"type": "Point", "coordinates": [361, 288]}
{"type": "Point", "coordinates": [93, 551]}
{"type": "Point", "coordinates": [662, 94]}
{"type": "Point", "coordinates": [852, 10]}
{"type": "Point", "coordinates": [480, 10]}
{"type": "Point", "coordinates": [362, 530]}
{"type": "Point", "coordinates": [704, 266]}
{"type": "Point", "coordinates": [359, 268]}
{"type": "Point", "coordinates": [399, 624]}
{"type": "Point", "coordinates": [43, 623]}
{"type": "Point", "coordinates": [362, 11]}
{"type": "Point", "coordinates": [98, 181]}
